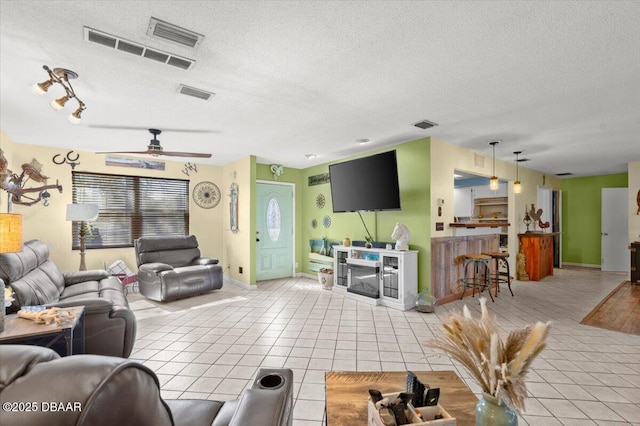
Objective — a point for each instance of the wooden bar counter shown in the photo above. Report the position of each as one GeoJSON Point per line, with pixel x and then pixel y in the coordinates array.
{"type": "Point", "coordinates": [538, 250]}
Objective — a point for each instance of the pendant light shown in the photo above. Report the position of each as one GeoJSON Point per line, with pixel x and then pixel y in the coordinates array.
{"type": "Point", "coordinates": [493, 182]}
{"type": "Point", "coordinates": [517, 185]}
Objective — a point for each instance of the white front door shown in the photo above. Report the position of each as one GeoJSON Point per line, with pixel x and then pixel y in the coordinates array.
{"type": "Point", "coordinates": [274, 239]}
{"type": "Point", "coordinates": [615, 223]}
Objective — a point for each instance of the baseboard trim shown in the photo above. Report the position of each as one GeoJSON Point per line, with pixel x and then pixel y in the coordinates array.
{"type": "Point", "coordinates": [307, 275]}
{"type": "Point", "coordinates": [581, 265]}
{"type": "Point", "coordinates": [240, 284]}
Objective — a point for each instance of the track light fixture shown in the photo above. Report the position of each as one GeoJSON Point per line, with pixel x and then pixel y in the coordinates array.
{"type": "Point", "coordinates": [493, 181]}
{"type": "Point", "coordinates": [61, 76]}
{"type": "Point", "coordinates": [517, 185]}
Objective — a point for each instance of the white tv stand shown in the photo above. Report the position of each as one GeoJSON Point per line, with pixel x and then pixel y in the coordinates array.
{"type": "Point", "coordinates": [377, 276]}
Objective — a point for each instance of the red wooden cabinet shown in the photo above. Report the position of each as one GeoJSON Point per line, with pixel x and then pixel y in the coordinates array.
{"type": "Point", "coordinates": [538, 250]}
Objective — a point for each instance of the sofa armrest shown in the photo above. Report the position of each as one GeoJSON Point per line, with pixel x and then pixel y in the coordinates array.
{"type": "Point", "coordinates": [262, 407]}
{"type": "Point", "coordinates": [154, 268]}
{"type": "Point", "coordinates": [76, 277]}
{"type": "Point", "coordinates": [91, 305]}
{"type": "Point", "coordinates": [205, 261]}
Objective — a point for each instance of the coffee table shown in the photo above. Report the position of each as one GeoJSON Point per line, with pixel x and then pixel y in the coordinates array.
{"type": "Point", "coordinates": [66, 338]}
{"type": "Point", "coordinates": [347, 392]}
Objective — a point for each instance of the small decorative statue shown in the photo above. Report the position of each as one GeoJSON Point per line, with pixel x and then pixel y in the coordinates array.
{"type": "Point", "coordinates": [401, 235]}
{"type": "Point", "coordinates": [535, 215]}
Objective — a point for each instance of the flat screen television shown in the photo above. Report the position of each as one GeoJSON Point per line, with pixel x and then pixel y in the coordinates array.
{"type": "Point", "coordinates": [365, 184]}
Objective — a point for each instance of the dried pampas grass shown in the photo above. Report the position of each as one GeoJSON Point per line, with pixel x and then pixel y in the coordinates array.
{"type": "Point", "coordinates": [499, 367]}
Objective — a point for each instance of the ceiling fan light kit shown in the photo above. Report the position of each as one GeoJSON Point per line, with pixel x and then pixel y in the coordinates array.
{"type": "Point", "coordinates": [61, 76]}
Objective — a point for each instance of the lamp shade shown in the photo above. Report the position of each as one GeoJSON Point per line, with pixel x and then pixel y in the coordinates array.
{"type": "Point", "coordinates": [82, 212]}
{"type": "Point", "coordinates": [10, 233]}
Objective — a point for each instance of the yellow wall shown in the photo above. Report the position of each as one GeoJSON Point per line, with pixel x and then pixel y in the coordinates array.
{"type": "Point", "coordinates": [634, 188]}
{"type": "Point", "coordinates": [49, 225]}
{"type": "Point", "coordinates": [6, 145]}
{"type": "Point", "coordinates": [239, 248]}
{"type": "Point", "coordinates": [446, 158]}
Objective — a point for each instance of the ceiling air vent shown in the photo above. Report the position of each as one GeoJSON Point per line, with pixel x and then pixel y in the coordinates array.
{"type": "Point", "coordinates": [137, 49]}
{"type": "Point", "coordinates": [425, 124]}
{"type": "Point", "coordinates": [169, 32]}
{"type": "Point", "coordinates": [196, 93]}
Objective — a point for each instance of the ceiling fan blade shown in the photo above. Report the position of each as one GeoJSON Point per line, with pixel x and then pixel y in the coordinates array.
{"type": "Point", "coordinates": [111, 127]}
{"type": "Point", "coordinates": [158, 153]}
{"type": "Point", "coordinates": [185, 154]}
{"type": "Point", "coordinates": [128, 152]}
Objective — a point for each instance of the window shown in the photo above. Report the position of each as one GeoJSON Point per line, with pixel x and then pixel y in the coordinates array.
{"type": "Point", "coordinates": [131, 207]}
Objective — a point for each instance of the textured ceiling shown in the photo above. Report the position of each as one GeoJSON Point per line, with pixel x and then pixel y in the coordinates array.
{"type": "Point", "coordinates": [557, 80]}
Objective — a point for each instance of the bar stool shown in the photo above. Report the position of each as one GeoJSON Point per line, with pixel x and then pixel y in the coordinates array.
{"type": "Point", "coordinates": [502, 274]}
{"type": "Point", "coordinates": [478, 280]}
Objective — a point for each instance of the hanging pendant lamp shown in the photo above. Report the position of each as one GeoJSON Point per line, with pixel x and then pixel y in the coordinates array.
{"type": "Point", "coordinates": [493, 181]}
{"type": "Point", "coordinates": [517, 185]}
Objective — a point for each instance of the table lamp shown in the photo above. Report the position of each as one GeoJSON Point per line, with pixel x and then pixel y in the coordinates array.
{"type": "Point", "coordinates": [82, 213]}
{"type": "Point", "coordinates": [10, 242]}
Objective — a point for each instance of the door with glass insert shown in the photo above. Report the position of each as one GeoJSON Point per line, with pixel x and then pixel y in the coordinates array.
{"type": "Point", "coordinates": [274, 236]}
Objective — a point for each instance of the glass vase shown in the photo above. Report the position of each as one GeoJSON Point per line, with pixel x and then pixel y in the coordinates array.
{"type": "Point", "coordinates": [490, 411]}
{"type": "Point", "coordinates": [425, 302]}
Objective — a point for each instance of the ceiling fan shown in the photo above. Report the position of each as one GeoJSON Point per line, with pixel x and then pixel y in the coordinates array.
{"type": "Point", "coordinates": [154, 148]}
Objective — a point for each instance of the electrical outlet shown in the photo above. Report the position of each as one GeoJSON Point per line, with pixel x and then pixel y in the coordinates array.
{"type": "Point", "coordinates": [240, 269]}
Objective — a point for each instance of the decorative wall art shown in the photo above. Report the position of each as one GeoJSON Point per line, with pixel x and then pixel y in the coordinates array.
{"type": "Point", "coordinates": [326, 221]}
{"type": "Point", "coordinates": [189, 167]}
{"type": "Point", "coordinates": [135, 163]}
{"type": "Point", "coordinates": [277, 170]}
{"type": "Point", "coordinates": [206, 195]}
{"type": "Point", "coordinates": [314, 223]}
{"type": "Point", "coordinates": [319, 179]}
{"type": "Point", "coordinates": [233, 207]}
{"type": "Point", "coordinates": [68, 159]}
{"type": "Point", "coordinates": [320, 201]}
{"type": "Point", "coordinates": [15, 184]}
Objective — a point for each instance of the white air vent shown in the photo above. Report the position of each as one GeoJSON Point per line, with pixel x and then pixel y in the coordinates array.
{"type": "Point", "coordinates": [196, 93]}
{"type": "Point", "coordinates": [137, 49]}
{"type": "Point", "coordinates": [169, 32]}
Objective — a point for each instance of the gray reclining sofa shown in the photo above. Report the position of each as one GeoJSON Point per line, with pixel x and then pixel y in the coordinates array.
{"type": "Point", "coordinates": [110, 326]}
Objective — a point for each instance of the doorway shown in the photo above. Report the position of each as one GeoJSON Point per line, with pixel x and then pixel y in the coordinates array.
{"type": "Point", "coordinates": [614, 234]}
{"type": "Point", "coordinates": [275, 246]}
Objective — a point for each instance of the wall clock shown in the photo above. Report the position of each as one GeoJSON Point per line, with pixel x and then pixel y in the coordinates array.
{"type": "Point", "coordinates": [206, 195]}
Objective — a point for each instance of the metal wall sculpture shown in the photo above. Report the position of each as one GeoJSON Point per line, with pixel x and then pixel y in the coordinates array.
{"type": "Point", "coordinates": [15, 184]}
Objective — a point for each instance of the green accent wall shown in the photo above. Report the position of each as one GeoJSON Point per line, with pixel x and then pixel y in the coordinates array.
{"type": "Point", "coordinates": [582, 216]}
{"type": "Point", "coordinates": [414, 174]}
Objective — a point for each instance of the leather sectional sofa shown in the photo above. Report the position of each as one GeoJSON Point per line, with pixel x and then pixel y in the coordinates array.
{"type": "Point", "coordinates": [39, 388]}
{"type": "Point", "coordinates": [171, 268]}
{"type": "Point", "coordinates": [110, 326]}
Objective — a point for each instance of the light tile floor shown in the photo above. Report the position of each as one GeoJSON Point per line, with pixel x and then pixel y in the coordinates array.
{"type": "Point", "coordinates": [211, 346]}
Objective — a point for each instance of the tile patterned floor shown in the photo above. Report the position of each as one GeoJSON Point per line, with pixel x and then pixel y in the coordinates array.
{"type": "Point", "coordinates": [211, 346]}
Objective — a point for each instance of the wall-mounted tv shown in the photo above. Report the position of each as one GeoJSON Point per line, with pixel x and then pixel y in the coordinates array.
{"type": "Point", "coordinates": [365, 184]}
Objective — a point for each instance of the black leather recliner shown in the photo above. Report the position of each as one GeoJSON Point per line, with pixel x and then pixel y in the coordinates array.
{"type": "Point", "coordinates": [37, 387]}
{"type": "Point", "coordinates": [171, 268]}
{"type": "Point", "coordinates": [110, 326]}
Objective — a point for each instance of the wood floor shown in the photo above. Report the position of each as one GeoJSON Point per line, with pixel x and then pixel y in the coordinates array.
{"type": "Point", "coordinates": [619, 311]}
